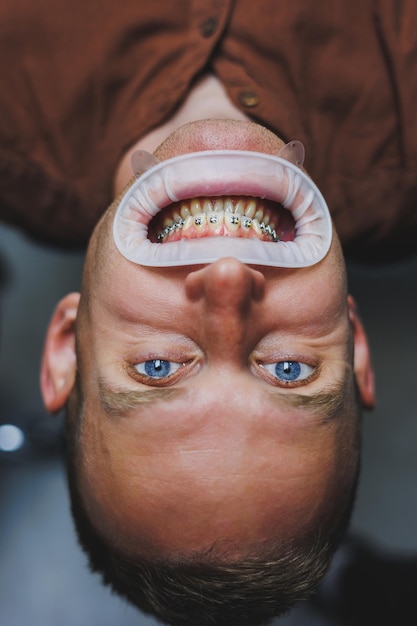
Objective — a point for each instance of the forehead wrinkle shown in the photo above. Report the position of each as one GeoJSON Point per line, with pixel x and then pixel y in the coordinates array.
{"type": "Point", "coordinates": [117, 401]}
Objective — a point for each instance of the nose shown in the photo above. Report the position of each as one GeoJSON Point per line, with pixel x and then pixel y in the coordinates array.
{"type": "Point", "coordinates": [225, 291]}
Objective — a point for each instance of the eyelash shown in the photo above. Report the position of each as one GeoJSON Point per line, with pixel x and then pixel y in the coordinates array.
{"type": "Point", "coordinates": [307, 371]}
{"type": "Point", "coordinates": [276, 371]}
{"type": "Point", "coordinates": [139, 371]}
{"type": "Point", "coordinates": [158, 364]}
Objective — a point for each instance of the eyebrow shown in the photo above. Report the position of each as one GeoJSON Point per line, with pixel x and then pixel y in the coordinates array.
{"type": "Point", "coordinates": [117, 401]}
{"type": "Point", "coordinates": [325, 404]}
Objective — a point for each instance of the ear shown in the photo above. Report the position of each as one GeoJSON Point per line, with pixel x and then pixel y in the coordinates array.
{"type": "Point", "coordinates": [362, 364]}
{"type": "Point", "coordinates": [59, 359]}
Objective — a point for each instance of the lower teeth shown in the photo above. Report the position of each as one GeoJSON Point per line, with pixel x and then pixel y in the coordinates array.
{"type": "Point", "coordinates": [216, 219]}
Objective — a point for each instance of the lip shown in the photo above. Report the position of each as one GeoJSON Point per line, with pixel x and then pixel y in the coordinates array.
{"type": "Point", "coordinates": [223, 173]}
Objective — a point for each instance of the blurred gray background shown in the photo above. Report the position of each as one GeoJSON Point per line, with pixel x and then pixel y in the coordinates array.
{"type": "Point", "coordinates": [44, 580]}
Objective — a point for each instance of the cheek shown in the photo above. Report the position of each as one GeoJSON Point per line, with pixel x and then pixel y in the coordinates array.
{"type": "Point", "coordinates": [326, 302]}
{"type": "Point", "coordinates": [136, 296]}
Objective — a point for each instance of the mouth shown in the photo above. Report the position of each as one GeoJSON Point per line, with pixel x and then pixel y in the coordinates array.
{"type": "Point", "coordinates": [232, 216]}
{"type": "Point", "coordinates": [202, 206]}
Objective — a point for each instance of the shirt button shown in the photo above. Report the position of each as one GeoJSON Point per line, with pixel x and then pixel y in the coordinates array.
{"type": "Point", "coordinates": [248, 99]}
{"type": "Point", "coordinates": [208, 27]}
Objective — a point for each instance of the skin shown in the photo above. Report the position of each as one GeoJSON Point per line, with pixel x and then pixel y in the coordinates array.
{"type": "Point", "coordinates": [221, 451]}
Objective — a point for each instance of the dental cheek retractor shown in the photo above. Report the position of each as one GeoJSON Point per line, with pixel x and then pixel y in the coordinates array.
{"type": "Point", "coordinates": [224, 173]}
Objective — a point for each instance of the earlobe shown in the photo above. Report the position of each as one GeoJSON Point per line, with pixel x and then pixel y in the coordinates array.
{"type": "Point", "coordinates": [59, 358]}
{"type": "Point", "coordinates": [362, 359]}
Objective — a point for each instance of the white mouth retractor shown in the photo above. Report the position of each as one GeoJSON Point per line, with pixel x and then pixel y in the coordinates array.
{"type": "Point", "coordinates": [222, 173]}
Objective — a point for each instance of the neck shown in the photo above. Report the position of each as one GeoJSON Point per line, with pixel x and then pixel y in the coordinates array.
{"type": "Point", "coordinates": [206, 100]}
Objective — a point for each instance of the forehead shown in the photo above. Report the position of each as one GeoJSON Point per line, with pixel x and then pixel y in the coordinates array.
{"type": "Point", "coordinates": [167, 485]}
{"type": "Point", "coordinates": [174, 429]}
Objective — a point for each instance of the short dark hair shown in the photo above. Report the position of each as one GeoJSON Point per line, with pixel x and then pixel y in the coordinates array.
{"type": "Point", "coordinates": [205, 589]}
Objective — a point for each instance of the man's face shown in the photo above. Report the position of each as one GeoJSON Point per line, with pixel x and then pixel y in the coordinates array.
{"type": "Point", "coordinates": [218, 399]}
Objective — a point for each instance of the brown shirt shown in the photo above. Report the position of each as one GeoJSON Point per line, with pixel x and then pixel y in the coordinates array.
{"type": "Point", "coordinates": [80, 82]}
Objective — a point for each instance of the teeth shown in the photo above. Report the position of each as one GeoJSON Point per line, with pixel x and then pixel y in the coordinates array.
{"type": "Point", "coordinates": [188, 222]}
{"type": "Point", "coordinates": [170, 228]}
{"type": "Point", "coordinates": [240, 207]}
{"type": "Point", "coordinates": [216, 218]}
{"type": "Point", "coordinates": [250, 209]}
{"type": "Point", "coordinates": [185, 211]}
{"type": "Point", "coordinates": [259, 215]}
{"type": "Point", "coordinates": [199, 213]}
{"type": "Point", "coordinates": [228, 206]}
{"type": "Point", "coordinates": [257, 228]}
{"type": "Point", "coordinates": [215, 221]}
{"type": "Point", "coordinates": [195, 207]}
{"type": "Point", "coordinates": [207, 206]}
{"type": "Point", "coordinates": [246, 223]}
{"type": "Point", "coordinates": [270, 231]}
{"type": "Point", "coordinates": [200, 221]}
{"type": "Point", "coordinates": [167, 222]}
{"type": "Point", "coordinates": [232, 221]}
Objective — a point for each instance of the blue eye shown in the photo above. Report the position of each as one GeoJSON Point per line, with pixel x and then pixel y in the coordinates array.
{"type": "Point", "coordinates": [289, 371]}
{"type": "Point", "coordinates": [157, 368]}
